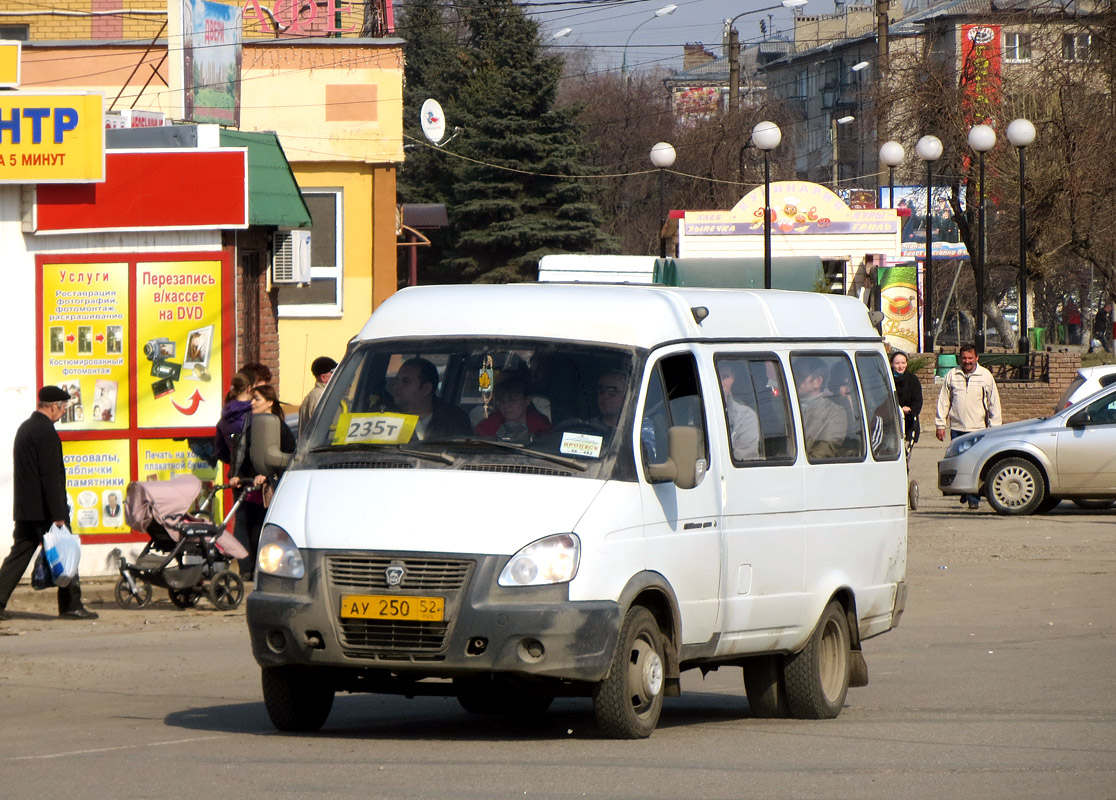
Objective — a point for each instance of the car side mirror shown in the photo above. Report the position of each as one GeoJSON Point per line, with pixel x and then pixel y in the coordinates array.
{"type": "Point", "coordinates": [685, 465]}
{"type": "Point", "coordinates": [1080, 419]}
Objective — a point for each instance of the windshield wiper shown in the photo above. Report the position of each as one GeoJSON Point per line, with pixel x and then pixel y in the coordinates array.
{"type": "Point", "coordinates": [523, 450]}
{"type": "Point", "coordinates": [427, 455]}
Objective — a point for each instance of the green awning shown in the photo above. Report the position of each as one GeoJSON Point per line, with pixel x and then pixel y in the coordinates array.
{"type": "Point", "coordinates": [273, 195]}
{"type": "Point", "coordinates": [797, 273]}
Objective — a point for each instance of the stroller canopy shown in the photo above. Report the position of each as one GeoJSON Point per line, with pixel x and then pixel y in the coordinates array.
{"type": "Point", "coordinates": [159, 501]}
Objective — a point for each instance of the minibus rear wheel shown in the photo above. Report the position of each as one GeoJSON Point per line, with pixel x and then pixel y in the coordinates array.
{"type": "Point", "coordinates": [817, 677]}
{"type": "Point", "coordinates": [296, 699]}
{"type": "Point", "coordinates": [628, 701]}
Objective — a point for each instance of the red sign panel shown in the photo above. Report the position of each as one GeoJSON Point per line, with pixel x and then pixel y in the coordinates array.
{"type": "Point", "coordinates": [980, 73]}
{"type": "Point", "coordinates": [178, 189]}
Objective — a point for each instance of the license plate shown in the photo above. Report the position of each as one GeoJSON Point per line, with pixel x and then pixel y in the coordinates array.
{"type": "Point", "coordinates": [382, 606]}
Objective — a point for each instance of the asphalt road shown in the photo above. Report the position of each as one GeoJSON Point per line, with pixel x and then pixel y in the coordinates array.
{"type": "Point", "coordinates": [999, 683]}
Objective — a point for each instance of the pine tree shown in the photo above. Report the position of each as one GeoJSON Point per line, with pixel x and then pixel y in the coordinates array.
{"type": "Point", "coordinates": [500, 88]}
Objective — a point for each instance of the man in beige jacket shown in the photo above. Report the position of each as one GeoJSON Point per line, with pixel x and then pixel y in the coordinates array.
{"type": "Point", "coordinates": [970, 401]}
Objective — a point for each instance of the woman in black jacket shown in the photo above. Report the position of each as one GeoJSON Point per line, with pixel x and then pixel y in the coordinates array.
{"type": "Point", "coordinates": [908, 391]}
{"type": "Point", "coordinates": [258, 461]}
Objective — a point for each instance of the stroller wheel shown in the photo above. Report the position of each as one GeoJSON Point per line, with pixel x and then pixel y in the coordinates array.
{"type": "Point", "coordinates": [185, 598]}
{"type": "Point", "coordinates": [126, 598]}
{"type": "Point", "coordinates": [912, 495]}
{"type": "Point", "coordinates": [226, 590]}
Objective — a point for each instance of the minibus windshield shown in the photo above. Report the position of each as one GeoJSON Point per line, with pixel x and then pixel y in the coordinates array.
{"type": "Point", "coordinates": [440, 400]}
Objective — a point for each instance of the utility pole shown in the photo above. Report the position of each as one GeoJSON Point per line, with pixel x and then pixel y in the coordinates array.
{"type": "Point", "coordinates": [734, 69]}
{"type": "Point", "coordinates": [883, 107]}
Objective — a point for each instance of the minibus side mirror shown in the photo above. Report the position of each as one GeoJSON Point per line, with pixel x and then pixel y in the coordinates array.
{"type": "Point", "coordinates": [685, 465]}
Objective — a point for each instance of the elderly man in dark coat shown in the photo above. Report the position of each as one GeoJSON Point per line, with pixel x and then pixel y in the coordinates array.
{"type": "Point", "coordinates": [39, 481]}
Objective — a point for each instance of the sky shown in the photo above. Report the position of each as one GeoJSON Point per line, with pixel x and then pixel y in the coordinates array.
{"type": "Point", "coordinates": [603, 26]}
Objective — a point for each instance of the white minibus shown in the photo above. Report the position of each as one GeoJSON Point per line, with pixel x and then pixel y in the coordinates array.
{"type": "Point", "coordinates": [513, 493]}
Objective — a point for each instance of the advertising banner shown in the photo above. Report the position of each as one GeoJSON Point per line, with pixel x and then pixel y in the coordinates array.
{"type": "Point", "coordinates": [980, 73]}
{"type": "Point", "coordinates": [52, 138]}
{"type": "Point", "coordinates": [899, 301]}
{"type": "Point", "coordinates": [142, 343]}
{"type": "Point", "coordinates": [178, 333]}
{"type": "Point", "coordinates": [211, 53]}
{"type": "Point", "coordinates": [797, 208]}
{"type": "Point", "coordinates": [97, 474]}
{"type": "Point", "coordinates": [85, 326]}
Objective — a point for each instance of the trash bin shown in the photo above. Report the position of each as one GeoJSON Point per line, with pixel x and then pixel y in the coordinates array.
{"type": "Point", "coordinates": [946, 362]}
{"type": "Point", "coordinates": [1038, 338]}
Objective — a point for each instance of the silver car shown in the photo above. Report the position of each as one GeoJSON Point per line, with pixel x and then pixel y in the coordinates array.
{"type": "Point", "coordinates": [1029, 467]}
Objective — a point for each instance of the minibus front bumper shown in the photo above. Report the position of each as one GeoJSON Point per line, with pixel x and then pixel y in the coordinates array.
{"type": "Point", "coordinates": [533, 631]}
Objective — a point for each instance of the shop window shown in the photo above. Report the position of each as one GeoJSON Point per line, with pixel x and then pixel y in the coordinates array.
{"type": "Point", "coordinates": [323, 295]}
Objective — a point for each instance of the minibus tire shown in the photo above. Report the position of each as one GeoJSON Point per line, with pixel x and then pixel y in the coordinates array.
{"type": "Point", "coordinates": [628, 701]}
{"type": "Point", "coordinates": [763, 683]}
{"type": "Point", "coordinates": [817, 677]}
{"type": "Point", "coordinates": [296, 699]}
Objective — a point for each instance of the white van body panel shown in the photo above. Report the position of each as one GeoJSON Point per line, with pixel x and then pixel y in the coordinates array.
{"type": "Point", "coordinates": [453, 512]}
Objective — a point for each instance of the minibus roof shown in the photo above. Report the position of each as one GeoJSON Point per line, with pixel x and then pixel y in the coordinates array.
{"type": "Point", "coordinates": [640, 316]}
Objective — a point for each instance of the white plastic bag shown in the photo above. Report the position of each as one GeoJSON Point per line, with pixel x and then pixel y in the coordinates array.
{"type": "Point", "coordinates": [63, 553]}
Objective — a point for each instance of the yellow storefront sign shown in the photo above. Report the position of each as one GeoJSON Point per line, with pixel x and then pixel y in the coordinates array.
{"type": "Point", "coordinates": [52, 138]}
{"type": "Point", "coordinates": [9, 65]}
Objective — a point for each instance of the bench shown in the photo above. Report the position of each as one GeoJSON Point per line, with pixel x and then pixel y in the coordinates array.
{"type": "Point", "coordinates": [1017, 367]}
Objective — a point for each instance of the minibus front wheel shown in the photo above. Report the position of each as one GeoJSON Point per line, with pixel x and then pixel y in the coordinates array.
{"type": "Point", "coordinates": [817, 677]}
{"type": "Point", "coordinates": [628, 701]}
{"type": "Point", "coordinates": [296, 698]}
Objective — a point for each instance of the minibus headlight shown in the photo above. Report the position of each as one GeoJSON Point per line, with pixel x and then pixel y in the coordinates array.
{"type": "Point", "coordinates": [550, 560]}
{"type": "Point", "coordinates": [278, 554]}
{"type": "Point", "coordinates": [963, 444]}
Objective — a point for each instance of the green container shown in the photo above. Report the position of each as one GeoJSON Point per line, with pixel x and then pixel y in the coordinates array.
{"type": "Point", "coordinates": [1038, 338]}
{"type": "Point", "coordinates": [946, 362]}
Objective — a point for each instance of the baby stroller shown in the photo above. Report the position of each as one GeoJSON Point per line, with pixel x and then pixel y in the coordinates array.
{"type": "Point", "coordinates": [188, 555]}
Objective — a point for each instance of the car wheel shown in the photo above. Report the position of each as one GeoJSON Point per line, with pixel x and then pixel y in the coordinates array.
{"type": "Point", "coordinates": [1094, 505]}
{"type": "Point", "coordinates": [296, 698]}
{"type": "Point", "coordinates": [628, 701]}
{"type": "Point", "coordinates": [817, 677]}
{"type": "Point", "coordinates": [1015, 486]}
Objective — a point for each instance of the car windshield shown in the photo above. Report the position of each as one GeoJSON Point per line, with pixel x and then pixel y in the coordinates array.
{"type": "Point", "coordinates": [450, 402]}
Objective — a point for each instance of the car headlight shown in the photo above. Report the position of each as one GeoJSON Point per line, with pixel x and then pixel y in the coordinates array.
{"type": "Point", "coordinates": [550, 560]}
{"type": "Point", "coordinates": [963, 444]}
{"type": "Point", "coordinates": [278, 554]}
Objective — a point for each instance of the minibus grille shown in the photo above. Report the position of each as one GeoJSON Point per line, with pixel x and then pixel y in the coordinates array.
{"type": "Point", "coordinates": [520, 469]}
{"type": "Point", "coordinates": [419, 574]}
{"type": "Point", "coordinates": [380, 636]}
{"type": "Point", "coordinates": [367, 465]}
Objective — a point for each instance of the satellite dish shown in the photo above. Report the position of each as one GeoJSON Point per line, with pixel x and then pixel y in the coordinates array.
{"type": "Point", "coordinates": [433, 120]}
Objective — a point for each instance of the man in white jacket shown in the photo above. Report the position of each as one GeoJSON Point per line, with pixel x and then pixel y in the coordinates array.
{"type": "Point", "coordinates": [970, 401]}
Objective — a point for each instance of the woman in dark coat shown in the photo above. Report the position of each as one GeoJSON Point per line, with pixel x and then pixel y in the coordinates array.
{"type": "Point", "coordinates": [908, 391]}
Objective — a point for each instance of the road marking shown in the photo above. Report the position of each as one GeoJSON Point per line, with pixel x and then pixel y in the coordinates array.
{"type": "Point", "coordinates": [110, 749]}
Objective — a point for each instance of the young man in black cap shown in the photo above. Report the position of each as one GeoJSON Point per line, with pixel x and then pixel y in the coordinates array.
{"type": "Point", "coordinates": [322, 369]}
{"type": "Point", "coordinates": [39, 481]}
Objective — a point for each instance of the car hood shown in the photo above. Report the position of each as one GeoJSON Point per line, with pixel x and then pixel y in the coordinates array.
{"type": "Point", "coordinates": [432, 510]}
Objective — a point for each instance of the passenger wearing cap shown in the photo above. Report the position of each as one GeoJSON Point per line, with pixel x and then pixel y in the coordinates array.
{"type": "Point", "coordinates": [321, 368]}
{"type": "Point", "coordinates": [39, 484]}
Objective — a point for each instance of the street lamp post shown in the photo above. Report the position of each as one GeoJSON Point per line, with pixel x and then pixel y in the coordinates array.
{"type": "Point", "coordinates": [662, 12]}
{"type": "Point", "coordinates": [1020, 133]}
{"type": "Point", "coordinates": [662, 156]}
{"type": "Point", "coordinates": [892, 155]}
{"type": "Point", "coordinates": [733, 39]}
{"type": "Point", "coordinates": [836, 153]}
{"type": "Point", "coordinates": [766, 136]}
{"type": "Point", "coordinates": [929, 149]}
{"type": "Point", "coordinates": [982, 138]}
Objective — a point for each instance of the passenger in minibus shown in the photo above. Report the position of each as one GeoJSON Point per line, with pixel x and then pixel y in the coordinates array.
{"type": "Point", "coordinates": [516, 418]}
{"type": "Point", "coordinates": [743, 423]}
{"type": "Point", "coordinates": [413, 392]}
{"type": "Point", "coordinates": [824, 424]}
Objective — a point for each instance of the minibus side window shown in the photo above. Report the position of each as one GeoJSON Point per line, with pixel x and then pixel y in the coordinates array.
{"type": "Point", "coordinates": [754, 396]}
{"type": "Point", "coordinates": [673, 398]}
{"type": "Point", "coordinates": [829, 403]}
{"type": "Point", "coordinates": [883, 412]}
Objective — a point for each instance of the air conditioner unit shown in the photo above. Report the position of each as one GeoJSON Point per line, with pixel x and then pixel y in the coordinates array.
{"type": "Point", "coordinates": [290, 257]}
